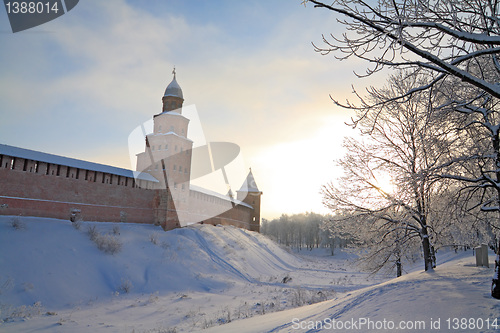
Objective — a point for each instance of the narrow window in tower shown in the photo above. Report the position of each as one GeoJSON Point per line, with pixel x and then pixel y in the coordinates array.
{"type": "Point", "coordinates": [86, 174]}
{"type": "Point", "coordinates": [12, 163]}
{"type": "Point", "coordinates": [175, 167]}
{"type": "Point", "coordinates": [58, 170]}
{"type": "Point", "coordinates": [77, 173]}
{"type": "Point", "coordinates": [48, 168]}
{"type": "Point", "coordinates": [159, 147]}
{"type": "Point", "coordinates": [67, 172]}
{"type": "Point", "coordinates": [25, 166]}
{"type": "Point", "coordinates": [166, 147]}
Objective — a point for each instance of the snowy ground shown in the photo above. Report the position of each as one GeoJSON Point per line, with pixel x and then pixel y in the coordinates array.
{"type": "Point", "coordinates": [453, 298]}
{"type": "Point", "coordinates": [53, 278]}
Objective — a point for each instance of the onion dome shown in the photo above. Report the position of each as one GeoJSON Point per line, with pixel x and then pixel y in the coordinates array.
{"type": "Point", "coordinates": [173, 89]}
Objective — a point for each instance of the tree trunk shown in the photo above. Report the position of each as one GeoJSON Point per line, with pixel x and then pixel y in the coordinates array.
{"type": "Point", "coordinates": [426, 244]}
{"type": "Point", "coordinates": [399, 270]}
{"type": "Point", "coordinates": [495, 283]}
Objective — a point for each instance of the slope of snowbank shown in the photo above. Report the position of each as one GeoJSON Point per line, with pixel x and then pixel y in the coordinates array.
{"type": "Point", "coordinates": [53, 278]}
{"type": "Point", "coordinates": [455, 297]}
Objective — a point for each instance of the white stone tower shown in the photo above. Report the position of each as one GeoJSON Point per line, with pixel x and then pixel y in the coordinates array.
{"type": "Point", "coordinates": [167, 155]}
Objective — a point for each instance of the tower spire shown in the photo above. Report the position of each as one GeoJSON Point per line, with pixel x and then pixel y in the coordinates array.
{"type": "Point", "coordinates": [172, 98]}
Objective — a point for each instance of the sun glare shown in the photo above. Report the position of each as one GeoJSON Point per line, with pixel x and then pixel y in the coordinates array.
{"type": "Point", "coordinates": [384, 181]}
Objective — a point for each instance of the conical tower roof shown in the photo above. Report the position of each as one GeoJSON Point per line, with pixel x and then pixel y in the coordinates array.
{"type": "Point", "coordinates": [249, 185]}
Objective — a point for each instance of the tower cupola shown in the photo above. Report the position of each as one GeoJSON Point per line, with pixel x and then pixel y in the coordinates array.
{"type": "Point", "coordinates": [172, 98]}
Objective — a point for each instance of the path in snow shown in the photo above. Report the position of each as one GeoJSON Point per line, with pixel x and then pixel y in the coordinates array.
{"type": "Point", "coordinates": [453, 298]}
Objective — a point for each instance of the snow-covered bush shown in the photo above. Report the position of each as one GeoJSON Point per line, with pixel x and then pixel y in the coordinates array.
{"type": "Point", "coordinates": [77, 224]}
{"type": "Point", "coordinates": [126, 286]}
{"type": "Point", "coordinates": [17, 224]}
{"type": "Point", "coordinates": [92, 232]}
{"type": "Point", "coordinates": [153, 238]}
{"type": "Point", "coordinates": [23, 311]}
{"type": "Point", "coordinates": [108, 243]}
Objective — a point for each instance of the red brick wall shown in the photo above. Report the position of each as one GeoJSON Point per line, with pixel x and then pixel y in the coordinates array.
{"type": "Point", "coordinates": [56, 196]}
{"type": "Point", "coordinates": [103, 197]}
{"type": "Point", "coordinates": [214, 210]}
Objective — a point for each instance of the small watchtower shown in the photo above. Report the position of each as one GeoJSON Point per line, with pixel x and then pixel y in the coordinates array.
{"type": "Point", "coordinates": [250, 194]}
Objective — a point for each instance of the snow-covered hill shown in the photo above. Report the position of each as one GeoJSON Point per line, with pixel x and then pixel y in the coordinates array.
{"type": "Point", "coordinates": [453, 298]}
{"type": "Point", "coordinates": [54, 278]}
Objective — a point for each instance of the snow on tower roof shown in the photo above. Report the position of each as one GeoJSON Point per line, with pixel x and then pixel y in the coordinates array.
{"type": "Point", "coordinates": [72, 162]}
{"type": "Point", "coordinates": [173, 89]}
{"type": "Point", "coordinates": [249, 185]}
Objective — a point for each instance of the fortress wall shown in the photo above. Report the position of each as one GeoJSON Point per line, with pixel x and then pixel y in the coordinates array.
{"type": "Point", "coordinates": [211, 209]}
{"type": "Point", "coordinates": [46, 195]}
{"type": "Point", "coordinates": [33, 188]}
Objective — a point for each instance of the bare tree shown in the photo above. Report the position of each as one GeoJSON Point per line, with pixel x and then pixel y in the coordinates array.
{"type": "Point", "coordinates": [451, 40]}
{"type": "Point", "coordinates": [442, 37]}
{"type": "Point", "coordinates": [406, 143]}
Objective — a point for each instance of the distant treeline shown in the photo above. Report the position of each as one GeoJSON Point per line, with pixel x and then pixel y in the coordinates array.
{"type": "Point", "coordinates": [305, 230]}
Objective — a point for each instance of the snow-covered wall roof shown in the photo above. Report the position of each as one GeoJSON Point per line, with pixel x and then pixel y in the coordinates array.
{"type": "Point", "coordinates": [72, 162]}
{"type": "Point", "coordinates": [171, 133]}
{"type": "Point", "coordinates": [218, 195]}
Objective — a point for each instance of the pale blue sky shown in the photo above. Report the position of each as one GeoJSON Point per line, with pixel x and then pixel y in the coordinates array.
{"type": "Point", "coordinates": [77, 86]}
